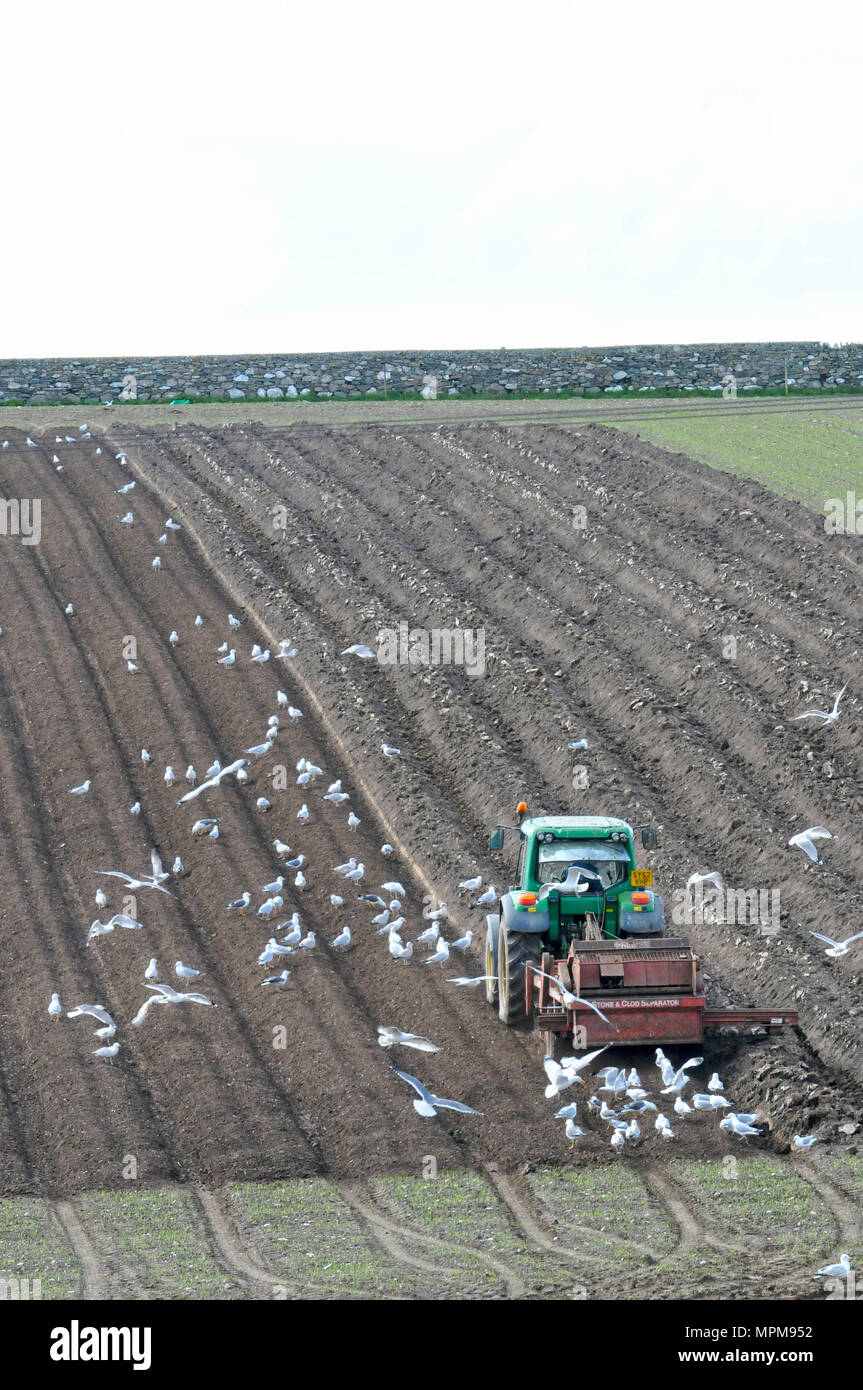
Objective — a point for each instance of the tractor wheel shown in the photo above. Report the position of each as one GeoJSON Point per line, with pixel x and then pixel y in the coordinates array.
{"type": "Point", "coordinates": [492, 932]}
{"type": "Point", "coordinates": [515, 950]}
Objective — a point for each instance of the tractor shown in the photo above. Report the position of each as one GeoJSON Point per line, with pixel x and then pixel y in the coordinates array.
{"type": "Point", "coordinates": [577, 947]}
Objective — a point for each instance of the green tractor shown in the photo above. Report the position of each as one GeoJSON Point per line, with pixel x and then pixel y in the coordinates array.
{"type": "Point", "coordinates": [577, 946]}
{"type": "Point", "coordinates": [577, 881]}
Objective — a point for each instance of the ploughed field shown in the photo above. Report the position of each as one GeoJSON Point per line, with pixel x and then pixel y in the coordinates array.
{"type": "Point", "coordinates": [676, 617]}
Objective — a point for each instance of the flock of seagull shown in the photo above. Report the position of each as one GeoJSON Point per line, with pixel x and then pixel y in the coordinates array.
{"type": "Point", "coordinates": [289, 940]}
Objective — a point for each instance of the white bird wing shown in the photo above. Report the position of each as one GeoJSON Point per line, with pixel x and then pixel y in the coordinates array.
{"type": "Point", "coordinates": [194, 999]}
{"type": "Point", "coordinates": [829, 939]}
{"type": "Point", "coordinates": [578, 1063]}
{"type": "Point", "coordinates": [453, 1105]}
{"type": "Point", "coordinates": [804, 843]}
{"type": "Point", "coordinates": [552, 1069]}
{"type": "Point", "coordinates": [156, 863]}
{"type": "Point", "coordinates": [818, 832]}
{"type": "Point", "coordinates": [417, 1085]}
{"type": "Point", "coordinates": [170, 994]}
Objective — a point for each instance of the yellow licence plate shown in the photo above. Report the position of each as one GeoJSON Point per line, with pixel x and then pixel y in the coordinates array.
{"type": "Point", "coordinates": [641, 878]}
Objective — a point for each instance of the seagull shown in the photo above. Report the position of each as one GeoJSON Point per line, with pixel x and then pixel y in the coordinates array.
{"type": "Point", "coordinates": [126, 488]}
{"type": "Point", "coordinates": [469, 980]}
{"type": "Point", "coordinates": [681, 1107]}
{"type": "Point", "coordinates": [172, 996]}
{"type": "Point", "coordinates": [705, 1102]}
{"type": "Point", "coordinates": [581, 743]}
{"type": "Point", "coordinates": [277, 979]}
{"type": "Point", "coordinates": [100, 899]}
{"type": "Point", "coordinates": [336, 796]}
{"type": "Point", "coordinates": [281, 697]}
{"type": "Point", "coordinates": [136, 809]}
{"type": "Point", "coordinates": [395, 888]}
{"type": "Point", "coordinates": [303, 813]}
{"type": "Point", "coordinates": [837, 949]}
{"type": "Point", "coordinates": [430, 934]}
{"type": "Point", "coordinates": [353, 821]}
{"type": "Point", "coordinates": [199, 621]}
{"type": "Point", "coordinates": [185, 972]}
{"type": "Point", "coordinates": [157, 563]}
{"type": "Point", "coordinates": [462, 943]}
{"type": "Point", "coordinates": [191, 775]}
{"type": "Point", "coordinates": [214, 781]}
{"type": "Point", "coordinates": [738, 1127]}
{"type": "Point", "coordinates": [262, 804]}
{"type": "Point", "coordinates": [489, 896]}
{"type": "Point", "coordinates": [363, 652]}
{"type": "Point", "coordinates": [389, 751]}
{"type": "Point", "coordinates": [388, 1037]}
{"type": "Point", "coordinates": [714, 878]}
{"type": "Point", "coordinates": [800, 1141]}
{"type": "Point", "coordinates": [110, 1051]}
{"type": "Point", "coordinates": [268, 908]}
{"type": "Point", "coordinates": [567, 1112]}
{"type": "Point", "coordinates": [559, 1078]}
{"type": "Point", "coordinates": [826, 716]}
{"type": "Point", "coordinates": [131, 667]}
{"type": "Point", "coordinates": [55, 1008]}
{"type": "Point", "coordinates": [336, 900]}
{"type": "Point", "coordinates": [134, 883]}
{"type": "Point", "coordinates": [229, 659]}
{"type": "Point", "coordinates": [258, 750]}
{"type": "Point", "coordinates": [201, 826]}
{"type": "Point", "coordinates": [234, 622]}
{"type": "Point", "coordinates": [127, 519]}
{"type": "Point", "coordinates": [80, 791]}
{"type": "Point", "coordinates": [714, 1084]}
{"type": "Point", "coordinates": [398, 949]}
{"type": "Point", "coordinates": [169, 777]}
{"type": "Point", "coordinates": [570, 999]}
{"type": "Point", "coordinates": [804, 840]}
{"type": "Point", "coordinates": [240, 904]}
{"type": "Point", "coordinates": [343, 938]}
{"type": "Point", "coordinates": [274, 887]}
{"type": "Point", "coordinates": [839, 1271]}
{"type": "Point", "coordinates": [69, 610]}
{"type": "Point", "coordinates": [152, 971]}
{"type": "Point", "coordinates": [294, 712]}
{"type": "Point", "coordinates": [472, 885]}
{"type": "Point", "coordinates": [428, 1104]}
{"type": "Point", "coordinates": [308, 942]}
{"type": "Point", "coordinates": [173, 638]}
{"type": "Point", "coordinates": [440, 955]}
{"type": "Point", "coordinates": [145, 756]}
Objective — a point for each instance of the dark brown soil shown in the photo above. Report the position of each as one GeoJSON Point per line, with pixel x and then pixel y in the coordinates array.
{"type": "Point", "coordinates": [614, 632]}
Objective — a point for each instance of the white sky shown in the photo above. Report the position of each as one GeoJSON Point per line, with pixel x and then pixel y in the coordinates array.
{"type": "Point", "coordinates": [184, 177]}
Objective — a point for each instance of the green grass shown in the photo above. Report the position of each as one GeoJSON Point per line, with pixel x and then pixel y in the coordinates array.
{"type": "Point", "coordinates": [34, 1246]}
{"type": "Point", "coordinates": [806, 457]}
{"type": "Point", "coordinates": [308, 1235]}
{"type": "Point", "coordinates": [762, 1201]}
{"type": "Point", "coordinates": [152, 1242]}
{"type": "Point", "coordinates": [613, 1203]}
{"type": "Point", "coordinates": [464, 1212]}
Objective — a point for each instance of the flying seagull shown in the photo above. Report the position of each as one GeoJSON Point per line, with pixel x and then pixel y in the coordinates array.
{"type": "Point", "coordinates": [428, 1104]}
{"type": "Point", "coordinates": [826, 716]}
{"type": "Point", "coordinates": [804, 840]}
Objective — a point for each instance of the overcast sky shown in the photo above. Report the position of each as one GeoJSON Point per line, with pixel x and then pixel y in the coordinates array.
{"type": "Point", "coordinates": [184, 178]}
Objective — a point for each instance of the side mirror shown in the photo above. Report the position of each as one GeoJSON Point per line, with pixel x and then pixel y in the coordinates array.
{"type": "Point", "coordinates": [649, 838]}
{"type": "Point", "coordinates": [496, 841]}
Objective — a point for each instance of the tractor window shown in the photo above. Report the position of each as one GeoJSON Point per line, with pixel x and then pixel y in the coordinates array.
{"type": "Point", "coordinates": [610, 861]}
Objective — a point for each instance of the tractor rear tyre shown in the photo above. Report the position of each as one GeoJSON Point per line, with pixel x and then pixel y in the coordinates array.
{"type": "Point", "coordinates": [515, 950]}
